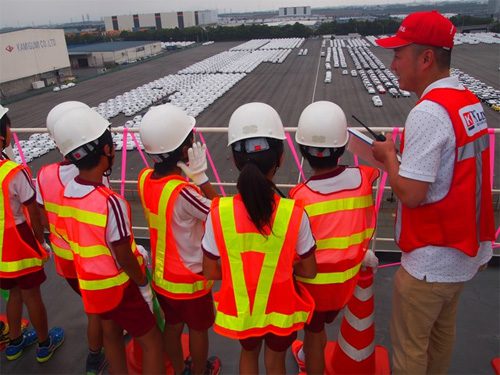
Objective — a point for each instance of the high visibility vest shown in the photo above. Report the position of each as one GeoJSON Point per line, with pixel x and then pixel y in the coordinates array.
{"type": "Point", "coordinates": [257, 294]}
{"type": "Point", "coordinates": [171, 277]}
{"type": "Point", "coordinates": [464, 217]}
{"type": "Point", "coordinates": [343, 223]}
{"type": "Point", "coordinates": [83, 222]}
{"type": "Point", "coordinates": [17, 258]}
{"type": "Point", "coordinates": [52, 191]}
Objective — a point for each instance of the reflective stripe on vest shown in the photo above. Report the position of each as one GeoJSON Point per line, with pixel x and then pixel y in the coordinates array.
{"type": "Point", "coordinates": [331, 277]}
{"type": "Point", "coordinates": [82, 216]}
{"type": "Point", "coordinates": [344, 204]}
{"type": "Point", "coordinates": [159, 223]}
{"type": "Point", "coordinates": [236, 244]}
{"type": "Point", "coordinates": [342, 243]}
{"type": "Point", "coordinates": [6, 168]}
{"type": "Point", "coordinates": [110, 282]}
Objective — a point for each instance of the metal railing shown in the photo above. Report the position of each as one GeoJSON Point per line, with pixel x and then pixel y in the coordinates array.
{"type": "Point", "coordinates": [493, 133]}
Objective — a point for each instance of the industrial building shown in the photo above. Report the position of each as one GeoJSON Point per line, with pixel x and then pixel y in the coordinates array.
{"type": "Point", "coordinates": [31, 59]}
{"type": "Point", "coordinates": [160, 21]}
{"type": "Point", "coordinates": [106, 54]}
{"type": "Point", "coordinates": [295, 11]}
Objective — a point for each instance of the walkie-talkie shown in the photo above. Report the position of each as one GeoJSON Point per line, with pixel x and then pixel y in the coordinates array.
{"type": "Point", "coordinates": [378, 137]}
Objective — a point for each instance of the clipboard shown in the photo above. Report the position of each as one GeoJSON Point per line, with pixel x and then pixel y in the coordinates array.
{"type": "Point", "coordinates": [361, 145]}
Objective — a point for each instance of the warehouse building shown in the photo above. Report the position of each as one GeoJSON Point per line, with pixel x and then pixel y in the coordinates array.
{"type": "Point", "coordinates": [295, 11]}
{"type": "Point", "coordinates": [100, 55]}
{"type": "Point", "coordinates": [31, 59]}
{"type": "Point", "coordinates": [160, 21]}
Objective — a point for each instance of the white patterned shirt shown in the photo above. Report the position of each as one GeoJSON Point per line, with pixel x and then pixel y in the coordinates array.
{"type": "Point", "coordinates": [428, 156]}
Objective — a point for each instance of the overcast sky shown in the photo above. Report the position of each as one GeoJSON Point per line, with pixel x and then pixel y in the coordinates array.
{"type": "Point", "coordinates": [37, 12]}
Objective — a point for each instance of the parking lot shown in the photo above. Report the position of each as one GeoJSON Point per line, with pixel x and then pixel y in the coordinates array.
{"type": "Point", "coordinates": [289, 87]}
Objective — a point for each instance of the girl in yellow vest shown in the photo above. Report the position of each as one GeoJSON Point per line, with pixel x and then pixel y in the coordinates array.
{"type": "Point", "coordinates": [176, 212]}
{"type": "Point", "coordinates": [22, 254]}
{"type": "Point", "coordinates": [96, 222]}
{"type": "Point", "coordinates": [339, 202]}
{"type": "Point", "coordinates": [50, 182]}
{"type": "Point", "coordinates": [252, 242]}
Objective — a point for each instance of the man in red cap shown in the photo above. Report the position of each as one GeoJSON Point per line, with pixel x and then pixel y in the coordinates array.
{"type": "Point", "coordinates": [444, 222]}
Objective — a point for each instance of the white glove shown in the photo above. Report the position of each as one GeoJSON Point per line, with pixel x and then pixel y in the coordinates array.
{"type": "Point", "coordinates": [147, 294]}
{"type": "Point", "coordinates": [47, 248]}
{"type": "Point", "coordinates": [197, 164]}
{"type": "Point", "coordinates": [370, 260]}
{"type": "Point", "coordinates": [145, 255]}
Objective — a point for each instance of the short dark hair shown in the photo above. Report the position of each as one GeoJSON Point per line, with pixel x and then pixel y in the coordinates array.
{"type": "Point", "coordinates": [4, 123]}
{"type": "Point", "coordinates": [94, 150]}
{"type": "Point", "coordinates": [331, 159]}
{"type": "Point", "coordinates": [442, 56]}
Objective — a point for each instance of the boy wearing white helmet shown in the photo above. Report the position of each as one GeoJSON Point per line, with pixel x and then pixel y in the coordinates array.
{"type": "Point", "coordinates": [23, 253]}
{"type": "Point", "coordinates": [96, 222]}
{"type": "Point", "coordinates": [339, 202]}
{"type": "Point", "coordinates": [252, 242]}
{"type": "Point", "coordinates": [176, 212]}
{"type": "Point", "coordinates": [50, 184]}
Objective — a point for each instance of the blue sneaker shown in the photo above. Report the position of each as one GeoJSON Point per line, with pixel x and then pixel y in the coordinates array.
{"type": "Point", "coordinates": [44, 353]}
{"type": "Point", "coordinates": [15, 351]}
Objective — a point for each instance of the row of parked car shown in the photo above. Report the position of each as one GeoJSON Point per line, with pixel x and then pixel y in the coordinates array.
{"type": "Point", "coordinates": [37, 145]}
{"type": "Point", "coordinates": [64, 86]}
{"type": "Point", "coordinates": [460, 38]}
{"type": "Point", "coordinates": [485, 93]}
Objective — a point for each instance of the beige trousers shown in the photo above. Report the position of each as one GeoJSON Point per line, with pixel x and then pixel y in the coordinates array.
{"type": "Point", "coordinates": [422, 324]}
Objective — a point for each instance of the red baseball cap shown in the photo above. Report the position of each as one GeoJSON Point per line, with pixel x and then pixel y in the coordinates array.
{"type": "Point", "coordinates": [426, 28]}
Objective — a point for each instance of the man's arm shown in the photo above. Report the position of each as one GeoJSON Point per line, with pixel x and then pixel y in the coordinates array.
{"type": "Point", "coordinates": [410, 192]}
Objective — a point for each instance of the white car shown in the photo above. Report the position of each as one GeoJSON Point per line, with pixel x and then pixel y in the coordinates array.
{"type": "Point", "coordinates": [345, 72]}
{"type": "Point", "coordinates": [56, 89]}
{"type": "Point", "coordinates": [377, 102]}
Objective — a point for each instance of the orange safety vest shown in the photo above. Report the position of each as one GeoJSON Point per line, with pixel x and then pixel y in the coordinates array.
{"type": "Point", "coordinates": [52, 191]}
{"type": "Point", "coordinates": [464, 217]}
{"type": "Point", "coordinates": [83, 225]}
{"type": "Point", "coordinates": [257, 294]}
{"type": "Point", "coordinates": [171, 277]}
{"type": "Point", "coordinates": [343, 223]}
{"type": "Point", "coordinates": [17, 258]}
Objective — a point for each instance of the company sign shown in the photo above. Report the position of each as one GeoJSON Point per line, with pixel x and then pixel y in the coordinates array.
{"type": "Point", "coordinates": [31, 45]}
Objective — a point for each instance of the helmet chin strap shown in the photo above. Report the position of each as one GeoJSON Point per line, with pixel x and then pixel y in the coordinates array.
{"type": "Point", "coordinates": [108, 171]}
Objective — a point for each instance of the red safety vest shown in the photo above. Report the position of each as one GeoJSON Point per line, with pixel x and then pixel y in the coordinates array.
{"type": "Point", "coordinates": [171, 277]}
{"type": "Point", "coordinates": [83, 222]}
{"type": "Point", "coordinates": [17, 258]}
{"type": "Point", "coordinates": [52, 191]}
{"type": "Point", "coordinates": [343, 223]}
{"type": "Point", "coordinates": [464, 217]}
{"type": "Point", "coordinates": [257, 294]}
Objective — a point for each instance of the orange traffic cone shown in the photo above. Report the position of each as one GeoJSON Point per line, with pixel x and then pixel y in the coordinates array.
{"type": "Point", "coordinates": [495, 363]}
{"type": "Point", "coordinates": [356, 352]}
{"type": "Point", "coordinates": [134, 356]}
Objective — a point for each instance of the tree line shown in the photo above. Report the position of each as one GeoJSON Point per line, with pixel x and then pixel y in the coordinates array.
{"type": "Point", "coordinates": [247, 32]}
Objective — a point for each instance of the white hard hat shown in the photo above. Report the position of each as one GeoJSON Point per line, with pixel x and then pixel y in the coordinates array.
{"type": "Point", "coordinates": [254, 120]}
{"type": "Point", "coordinates": [164, 128]}
{"type": "Point", "coordinates": [77, 127]}
{"type": "Point", "coordinates": [322, 124]}
{"type": "Point", "coordinates": [3, 110]}
{"type": "Point", "coordinates": [56, 113]}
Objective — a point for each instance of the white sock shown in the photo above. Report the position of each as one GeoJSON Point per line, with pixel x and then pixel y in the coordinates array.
{"type": "Point", "coordinates": [301, 355]}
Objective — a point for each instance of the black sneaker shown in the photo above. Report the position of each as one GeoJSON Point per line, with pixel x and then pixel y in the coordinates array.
{"type": "Point", "coordinates": [214, 366]}
{"type": "Point", "coordinates": [96, 363]}
{"type": "Point", "coordinates": [188, 364]}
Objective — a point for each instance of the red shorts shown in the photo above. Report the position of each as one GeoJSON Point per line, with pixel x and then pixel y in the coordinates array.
{"type": "Point", "coordinates": [197, 313]}
{"type": "Point", "coordinates": [132, 314]}
{"type": "Point", "coordinates": [73, 283]}
{"type": "Point", "coordinates": [274, 342]}
{"type": "Point", "coordinates": [28, 281]}
{"type": "Point", "coordinates": [319, 319]}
